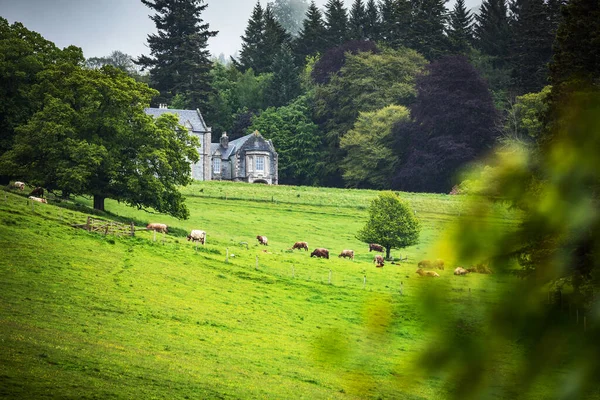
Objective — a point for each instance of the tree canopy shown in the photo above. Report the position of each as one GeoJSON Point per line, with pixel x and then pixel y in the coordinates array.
{"type": "Point", "coordinates": [391, 223]}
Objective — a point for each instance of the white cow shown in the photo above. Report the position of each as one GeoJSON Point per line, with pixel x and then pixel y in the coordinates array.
{"type": "Point", "coordinates": [197, 236]}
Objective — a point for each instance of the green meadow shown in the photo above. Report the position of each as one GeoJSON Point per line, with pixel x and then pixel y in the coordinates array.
{"type": "Point", "coordinates": [85, 315]}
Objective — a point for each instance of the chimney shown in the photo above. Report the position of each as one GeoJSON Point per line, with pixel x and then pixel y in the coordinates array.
{"type": "Point", "coordinates": [161, 105]}
{"type": "Point", "coordinates": [224, 140]}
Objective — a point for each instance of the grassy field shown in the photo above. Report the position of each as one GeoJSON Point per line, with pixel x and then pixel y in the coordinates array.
{"type": "Point", "coordinates": [90, 316]}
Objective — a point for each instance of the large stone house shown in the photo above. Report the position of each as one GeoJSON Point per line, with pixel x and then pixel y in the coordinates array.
{"type": "Point", "coordinates": [250, 158]}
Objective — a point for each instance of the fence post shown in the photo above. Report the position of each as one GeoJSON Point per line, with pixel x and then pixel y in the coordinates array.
{"type": "Point", "coordinates": [132, 229]}
{"type": "Point", "coordinates": [401, 287]}
{"type": "Point", "coordinates": [227, 255]}
{"type": "Point", "coordinates": [364, 281]}
{"type": "Point", "coordinates": [88, 225]}
{"type": "Point", "coordinates": [154, 237]}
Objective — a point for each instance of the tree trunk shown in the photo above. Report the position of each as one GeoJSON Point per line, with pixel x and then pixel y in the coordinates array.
{"type": "Point", "coordinates": [99, 202]}
{"type": "Point", "coordinates": [387, 252]}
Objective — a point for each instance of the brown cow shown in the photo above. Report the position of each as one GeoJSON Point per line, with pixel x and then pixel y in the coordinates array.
{"type": "Point", "coordinates": [439, 264]}
{"type": "Point", "coordinates": [424, 264]}
{"type": "Point", "coordinates": [379, 260]}
{"type": "Point", "coordinates": [160, 228]}
{"type": "Point", "coordinates": [347, 254]}
{"type": "Point", "coordinates": [262, 240]}
{"type": "Point", "coordinates": [460, 271]}
{"type": "Point", "coordinates": [433, 274]}
{"type": "Point", "coordinates": [322, 253]}
{"type": "Point", "coordinates": [376, 247]}
{"type": "Point", "coordinates": [38, 192]}
{"type": "Point", "coordinates": [300, 245]}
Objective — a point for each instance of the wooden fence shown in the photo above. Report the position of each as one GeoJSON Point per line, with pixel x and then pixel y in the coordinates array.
{"type": "Point", "coordinates": [108, 227]}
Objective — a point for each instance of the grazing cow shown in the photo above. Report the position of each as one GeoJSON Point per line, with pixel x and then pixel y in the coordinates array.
{"type": "Point", "coordinates": [322, 253]}
{"type": "Point", "coordinates": [38, 192]}
{"type": "Point", "coordinates": [424, 264]}
{"type": "Point", "coordinates": [376, 247]}
{"type": "Point", "coordinates": [433, 274]}
{"type": "Point", "coordinates": [160, 228]}
{"type": "Point", "coordinates": [379, 261]}
{"type": "Point", "coordinates": [262, 240]}
{"type": "Point", "coordinates": [300, 245]}
{"type": "Point", "coordinates": [18, 185]}
{"type": "Point", "coordinates": [439, 264]}
{"type": "Point", "coordinates": [460, 271]}
{"type": "Point", "coordinates": [197, 236]}
{"type": "Point", "coordinates": [347, 254]}
{"type": "Point", "coordinates": [38, 199]}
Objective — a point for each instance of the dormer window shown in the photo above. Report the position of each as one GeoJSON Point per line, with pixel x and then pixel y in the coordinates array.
{"type": "Point", "coordinates": [260, 164]}
{"type": "Point", "coordinates": [216, 165]}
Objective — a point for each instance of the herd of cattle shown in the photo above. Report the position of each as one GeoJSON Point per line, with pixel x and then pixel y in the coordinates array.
{"type": "Point", "coordinates": [197, 235]}
{"type": "Point", "coordinates": [36, 194]}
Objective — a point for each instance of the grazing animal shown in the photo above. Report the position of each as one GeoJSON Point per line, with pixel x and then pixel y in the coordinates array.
{"type": "Point", "coordinates": [347, 254]}
{"type": "Point", "coordinates": [460, 271]}
{"type": "Point", "coordinates": [197, 236]}
{"type": "Point", "coordinates": [376, 247]}
{"type": "Point", "coordinates": [38, 192]}
{"type": "Point", "coordinates": [160, 228]}
{"type": "Point", "coordinates": [38, 199]}
{"type": "Point", "coordinates": [424, 264]}
{"type": "Point", "coordinates": [433, 274]}
{"type": "Point", "coordinates": [262, 240]}
{"type": "Point", "coordinates": [379, 260]}
{"type": "Point", "coordinates": [18, 185]}
{"type": "Point", "coordinates": [300, 245]}
{"type": "Point", "coordinates": [439, 264]}
{"type": "Point", "coordinates": [322, 253]}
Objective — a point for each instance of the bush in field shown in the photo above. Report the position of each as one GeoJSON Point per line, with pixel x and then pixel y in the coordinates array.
{"type": "Point", "coordinates": [391, 223]}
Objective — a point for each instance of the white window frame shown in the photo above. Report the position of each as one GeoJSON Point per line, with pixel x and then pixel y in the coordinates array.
{"type": "Point", "coordinates": [216, 165]}
{"type": "Point", "coordinates": [260, 166]}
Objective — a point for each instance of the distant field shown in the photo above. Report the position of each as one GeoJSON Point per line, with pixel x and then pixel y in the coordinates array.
{"type": "Point", "coordinates": [89, 316]}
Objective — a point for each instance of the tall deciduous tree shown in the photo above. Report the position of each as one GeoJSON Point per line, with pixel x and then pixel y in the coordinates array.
{"type": "Point", "coordinates": [311, 39]}
{"type": "Point", "coordinates": [289, 13]}
{"type": "Point", "coordinates": [336, 23]}
{"type": "Point", "coordinates": [370, 159]}
{"type": "Point", "coordinates": [92, 137]}
{"type": "Point", "coordinates": [391, 223]}
{"type": "Point", "coordinates": [454, 122]}
{"type": "Point", "coordinates": [460, 29]}
{"type": "Point", "coordinates": [179, 62]}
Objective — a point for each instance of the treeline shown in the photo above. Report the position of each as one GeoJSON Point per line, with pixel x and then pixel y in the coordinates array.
{"type": "Point", "coordinates": [391, 94]}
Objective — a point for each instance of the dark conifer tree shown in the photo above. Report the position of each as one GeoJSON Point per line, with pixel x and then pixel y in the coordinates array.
{"type": "Point", "coordinates": [250, 56]}
{"type": "Point", "coordinates": [357, 21]}
{"type": "Point", "coordinates": [460, 30]}
{"type": "Point", "coordinates": [372, 22]}
{"type": "Point", "coordinates": [395, 22]}
{"type": "Point", "coordinates": [179, 62]}
{"type": "Point", "coordinates": [428, 25]}
{"type": "Point", "coordinates": [531, 46]}
{"type": "Point", "coordinates": [492, 31]}
{"type": "Point", "coordinates": [336, 23]}
{"type": "Point", "coordinates": [311, 39]}
{"type": "Point", "coordinates": [274, 37]}
{"type": "Point", "coordinates": [285, 85]}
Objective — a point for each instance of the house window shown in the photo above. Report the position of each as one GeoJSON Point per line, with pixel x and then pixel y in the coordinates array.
{"type": "Point", "coordinates": [260, 164]}
{"type": "Point", "coordinates": [216, 165]}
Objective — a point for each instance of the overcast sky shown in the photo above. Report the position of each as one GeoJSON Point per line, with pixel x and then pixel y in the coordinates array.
{"type": "Point", "coordinates": [102, 26]}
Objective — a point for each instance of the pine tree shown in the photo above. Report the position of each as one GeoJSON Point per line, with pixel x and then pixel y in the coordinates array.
{"type": "Point", "coordinates": [357, 21]}
{"type": "Point", "coordinates": [428, 26]}
{"type": "Point", "coordinates": [460, 30]}
{"type": "Point", "coordinates": [285, 85]}
{"type": "Point", "coordinates": [395, 28]}
{"type": "Point", "coordinates": [274, 37]}
{"type": "Point", "coordinates": [311, 39]}
{"type": "Point", "coordinates": [289, 13]}
{"type": "Point", "coordinates": [336, 23]}
{"type": "Point", "coordinates": [250, 56]}
{"type": "Point", "coordinates": [179, 61]}
{"type": "Point", "coordinates": [531, 46]}
{"type": "Point", "coordinates": [492, 31]}
{"type": "Point", "coordinates": [372, 23]}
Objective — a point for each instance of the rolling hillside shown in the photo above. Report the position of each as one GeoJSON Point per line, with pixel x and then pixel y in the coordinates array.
{"type": "Point", "coordinates": [91, 316]}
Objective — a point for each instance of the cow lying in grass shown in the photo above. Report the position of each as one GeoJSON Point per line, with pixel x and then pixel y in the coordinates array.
{"type": "Point", "coordinates": [321, 253]}
{"type": "Point", "coordinates": [300, 245]}
{"type": "Point", "coordinates": [160, 228]}
{"type": "Point", "coordinates": [38, 199]}
{"type": "Point", "coordinates": [197, 236]}
{"type": "Point", "coordinates": [460, 271]}
{"type": "Point", "coordinates": [262, 240]}
{"type": "Point", "coordinates": [347, 254]}
{"type": "Point", "coordinates": [433, 274]}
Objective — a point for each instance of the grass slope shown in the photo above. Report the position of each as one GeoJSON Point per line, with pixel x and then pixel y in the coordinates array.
{"type": "Point", "coordinates": [88, 316]}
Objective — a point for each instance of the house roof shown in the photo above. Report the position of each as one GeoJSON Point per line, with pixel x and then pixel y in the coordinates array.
{"type": "Point", "coordinates": [188, 118]}
{"type": "Point", "coordinates": [231, 148]}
